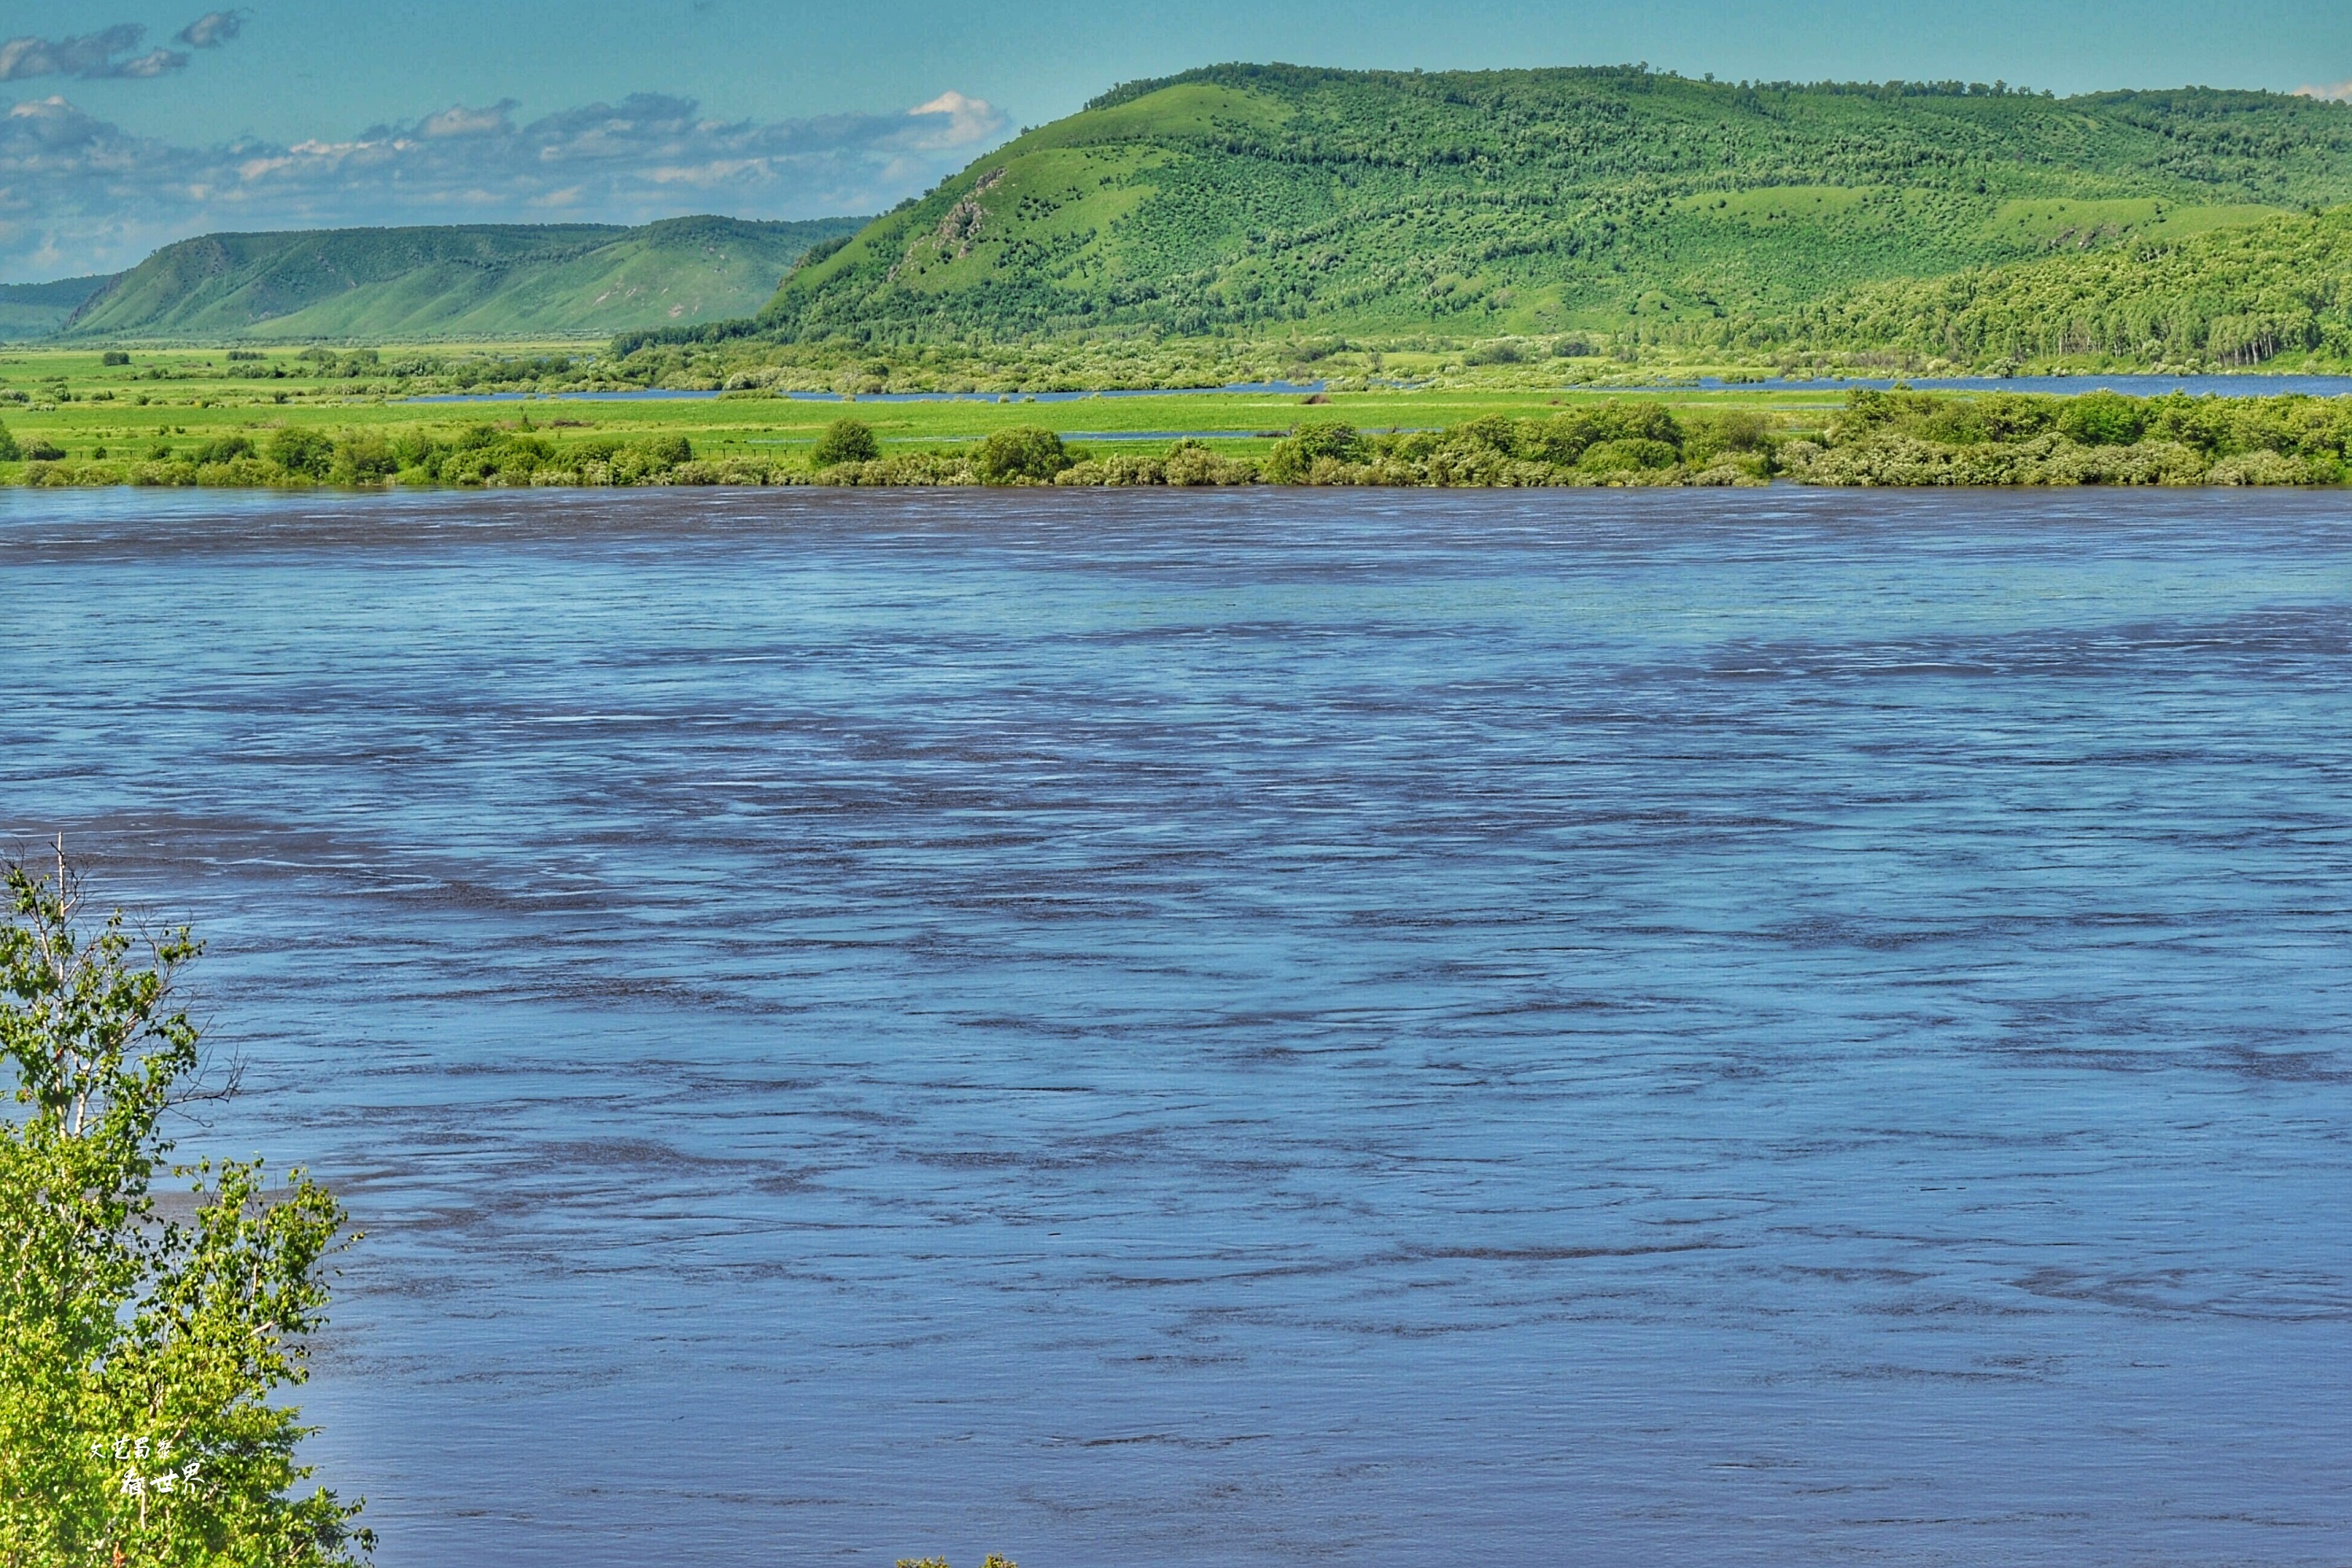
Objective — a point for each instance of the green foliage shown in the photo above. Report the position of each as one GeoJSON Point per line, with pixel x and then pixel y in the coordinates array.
{"type": "Point", "coordinates": [845, 441]}
{"type": "Point", "coordinates": [139, 1354]}
{"type": "Point", "coordinates": [302, 451]}
{"type": "Point", "coordinates": [10, 451]}
{"type": "Point", "coordinates": [2103, 419]}
{"type": "Point", "coordinates": [225, 449]}
{"type": "Point", "coordinates": [1023, 455]}
{"type": "Point", "coordinates": [1647, 207]}
{"type": "Point", "coordinates": [1292, 462]}
{"type": "Point", "coordinates": [2223, 300]}
{"type": "Point", "coordinates": [1920, 438]}
{"type": "Point", "coordinates": [479, 281]}
{"type": "Point", "coordinates": [114, 356]}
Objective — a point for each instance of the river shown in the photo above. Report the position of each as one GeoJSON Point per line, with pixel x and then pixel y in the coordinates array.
{"type": "Point", "coordinates": [1215, 1029]}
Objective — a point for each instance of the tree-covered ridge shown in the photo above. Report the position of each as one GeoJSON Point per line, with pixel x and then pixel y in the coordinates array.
{"type": "Point", "coordinates": [464, 281]}
{"type": "Point", "coordinates": [2225, 301]}
{"type": "Point", "coordinates": [1241, 197]}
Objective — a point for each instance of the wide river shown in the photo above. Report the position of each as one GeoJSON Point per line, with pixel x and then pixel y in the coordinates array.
{"type": "Point", "coordinates": [1220, 1029]}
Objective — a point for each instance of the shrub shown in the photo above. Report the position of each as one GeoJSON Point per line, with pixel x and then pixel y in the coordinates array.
{"type": "Point", "coordinates": [308, 453]}
{"type": "Point", "coordinates": [845, 441]}
{"type": "Point", "coordinates": [1625, 456]}
{"type": "Point", "coordinates": [1293, 460]}
{"type": "Point", "coordinates": [666, 451]}
{"type": "Point", "coordinates": [114, 356]}
{"type": "Point", "coordinates": [10, 452]}
{"type": "Point", "coordinates": [2103, 419]}
{"type": "Point", "coordinates": [44, 450]}
{"type": "Point", "coordinates": [1023, 455]}
{"type": "Point", "coordinates": [1190, 463]}
{"type": "Point", "coordinates": [364, 459]}
{"type": "Point", "coordinates": [2258, 469]}
{"type": "Point", "coordinates": [224, 450]}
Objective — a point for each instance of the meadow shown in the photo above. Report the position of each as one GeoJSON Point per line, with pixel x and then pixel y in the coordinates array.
{"type": "Point", "coordinates": [252, 418]}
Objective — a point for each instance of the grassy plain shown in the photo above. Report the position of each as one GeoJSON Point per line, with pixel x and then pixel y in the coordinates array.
{"type": "Point", "coordinates": [184, 418]}
{"type": "Point", "coordinates": [93, 412]}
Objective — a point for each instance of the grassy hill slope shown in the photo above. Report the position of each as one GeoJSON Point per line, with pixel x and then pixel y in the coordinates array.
{"type": "Point", "coordinates": [466, 282]}
{"type": "Point", "coordinates": [36, 310]}
{"type": "Point", "coordinates": [1244, 197]}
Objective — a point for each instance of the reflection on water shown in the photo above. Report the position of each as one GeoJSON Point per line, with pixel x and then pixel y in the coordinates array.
{"type": "Point", "coordinates": [1242, 1028]}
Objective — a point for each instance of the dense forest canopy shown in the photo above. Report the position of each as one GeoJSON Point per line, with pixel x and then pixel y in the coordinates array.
{"type": "Point", "coordinates": [2229, 299]}
{"type": "Point", "coordinates": [1256, 197]}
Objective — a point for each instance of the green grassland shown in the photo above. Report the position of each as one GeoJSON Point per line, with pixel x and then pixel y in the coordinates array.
{"type": "Point", "coordinates": [404, 285]}
{"type": "Point", "coordinates": [1642, 207]}
{"type": "Point", "coordinates": [292, 420]}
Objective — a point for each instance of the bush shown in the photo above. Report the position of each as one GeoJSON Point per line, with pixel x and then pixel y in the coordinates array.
{"type": "Point", "coordinates": [845, 441]}
{"type": "Point", "coordinates": [364, 459]}
{"type": "Point", "coordinates": [2103, 419]}
{"type": "Point", "coordinates": [1023, 455]}
{"type": "Point", "coordinates": [308, 452]}
{"type": "Point", "coordinates": [10, 452]}
{"type": "Point", "coordinates": [1293, 460]}
{"type": "Point", "coordinates": [1190, 463]}
{"type": "Point", "coordinates": [114, 357]}
{"type": "Point", "coordinates": [666, 451]}
{"type": "Point", "coordinates": [225, 449]}
{"type": "Point", "coordinates": [44, 450]}
{"type": "Point", "coordinates": [1626, 456]}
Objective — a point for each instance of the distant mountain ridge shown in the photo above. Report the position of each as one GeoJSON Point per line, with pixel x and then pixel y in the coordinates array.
{"type": "Point", "coordinates": [1248, 198]}
{"type": "Point", "coordinates": [447, 282]}
{"type": "Point", "coordinates": [36, 310]}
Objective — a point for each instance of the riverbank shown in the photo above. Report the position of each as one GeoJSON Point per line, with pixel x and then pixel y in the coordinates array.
{"type": "Point", "coordinates": [1870, 437]}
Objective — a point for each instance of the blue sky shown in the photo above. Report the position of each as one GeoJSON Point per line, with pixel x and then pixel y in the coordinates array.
{"type": "Point", "coordinates": [133, 123]}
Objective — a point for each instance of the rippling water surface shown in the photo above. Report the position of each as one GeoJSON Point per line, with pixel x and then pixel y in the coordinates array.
{"type": "Point", "coordinates": [1625, 1029]}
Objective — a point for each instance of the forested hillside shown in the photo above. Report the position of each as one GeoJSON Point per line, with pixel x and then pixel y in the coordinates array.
{"type": "Point", "coordinates": [1252, 197]}
{"type": "Point", "coordinates": [479, 281]}
{"type": "Point", "coordinates": [2230, 300]}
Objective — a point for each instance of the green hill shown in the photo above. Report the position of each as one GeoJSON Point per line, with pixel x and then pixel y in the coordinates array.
{"type": "Point", "coordinates": [466, 283]}
{"type": "Point", "coordinates": [36, 310]}
{"type": "Point", "coordinates": [1247, 198]}
{"type": "Point", "coordinates": [2228, 299]}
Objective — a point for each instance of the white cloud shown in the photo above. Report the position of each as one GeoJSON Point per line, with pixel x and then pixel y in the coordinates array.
{"type": "Point", "coordinates": [80, 195]}
{"type": "Point", "coordinates": [957, 121]}
{"type": "Point", "coordinates": [2339, 93]}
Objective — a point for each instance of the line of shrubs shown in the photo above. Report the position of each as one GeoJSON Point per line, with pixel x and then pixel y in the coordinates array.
{"type": "Point", "coordinates": [297, 455]}
{"type": "Point", "coordinates": [1898, 438]}
{"type": "Point", "coordinates": [1912, 438]}
{"type": "Point", "coordinates": [1610, 443]}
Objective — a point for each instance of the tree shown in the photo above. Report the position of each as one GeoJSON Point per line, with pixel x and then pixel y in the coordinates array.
{"type": "Point", "coordinates": [138, 1354]}
{"type": "Point", "coordinates": [311, 453]}
{"type": "Point", "coordinates": [845, 441]}
{"type": "Point", "coordinates": [1023, 455]}
{"type": "Point", "coordinates": [1293, 460]}
{"type": "Point", "coordinates": [9, 450]}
